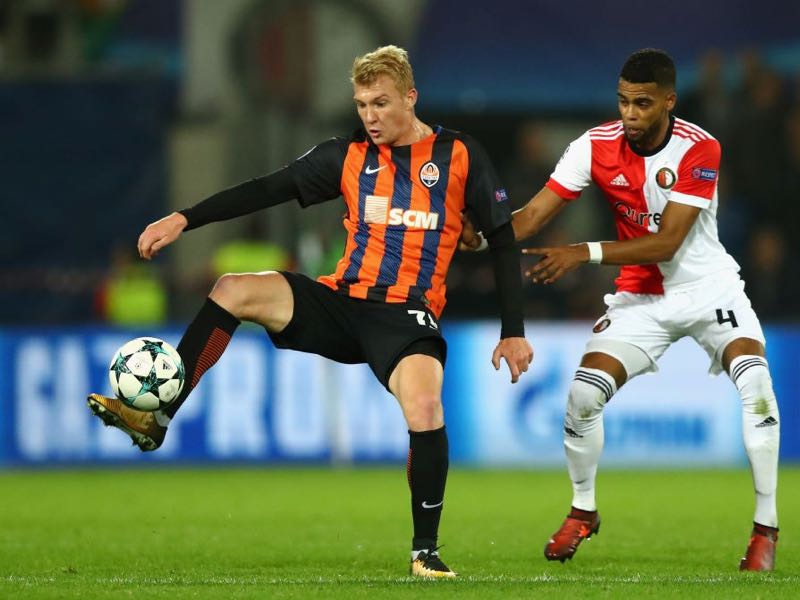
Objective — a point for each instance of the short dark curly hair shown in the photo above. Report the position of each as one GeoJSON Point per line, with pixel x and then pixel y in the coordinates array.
{"type": "Point", "coordinates": [649, 65]}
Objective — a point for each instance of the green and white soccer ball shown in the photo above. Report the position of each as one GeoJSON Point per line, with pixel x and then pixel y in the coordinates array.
{"type": "Point", "coordinates": [146, 373]}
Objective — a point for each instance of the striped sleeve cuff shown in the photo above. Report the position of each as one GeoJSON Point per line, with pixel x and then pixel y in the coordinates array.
{"type": "Point", "coordinates": [562, 192]}
{"type": "Point", "coordinates": [690, 200]}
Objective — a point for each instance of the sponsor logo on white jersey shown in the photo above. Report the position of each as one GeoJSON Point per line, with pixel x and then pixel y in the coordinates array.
{"type": "Point", "coordinates": [639, 218]}
{"type": "Point", "coordinates": [418, 219]}
{"type": "Point", "coordinates": [620, 181]}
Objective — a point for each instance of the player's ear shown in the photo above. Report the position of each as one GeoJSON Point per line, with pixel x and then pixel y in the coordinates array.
{"type": "Point", "coordinates": [411, 98]}
{"type": "Point", "coordinates": [671, 99]}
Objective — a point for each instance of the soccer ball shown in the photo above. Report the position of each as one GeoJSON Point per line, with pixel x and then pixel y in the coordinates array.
{"type": "Point", "coordinates": [146, 373]}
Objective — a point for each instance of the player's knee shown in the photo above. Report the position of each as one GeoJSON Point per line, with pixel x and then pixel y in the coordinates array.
{"type": "Point", "coordinates": [584, 406]}
{"type": "Point", "coordinates": [423, 411]}
{"type": "Point", "coordinates": [256, 297]}
{"type": "Point", "coordinates": [588, 394]}
{"type": "Point", "coordinates": [229, 293]}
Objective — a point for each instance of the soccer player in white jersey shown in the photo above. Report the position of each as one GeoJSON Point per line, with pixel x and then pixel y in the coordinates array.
{"type": "Point", "coordinates": [659, 175]}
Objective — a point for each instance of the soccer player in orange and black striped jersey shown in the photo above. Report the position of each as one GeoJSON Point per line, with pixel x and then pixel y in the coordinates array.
{"type": "Point", "coordinates": [406, 186]}
{"type": "Point", "coordinates": [404, 207]}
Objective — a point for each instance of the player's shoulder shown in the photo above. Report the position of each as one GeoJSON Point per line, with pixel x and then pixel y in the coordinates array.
{"type": "Point", "coordinates": [462, 142]}
{"type": "Point", "coordinates": [343, 142]}
{"type": "Point", "coordinates": [467, 142]}
{"type": "Point", "coordinates": [357, 136]}
{"type": "Point", "coordinates": [446, 135]}
{"type": "Point", "coordinates": [467, 147]}
{"type": "Point", "coordinates": [606, 131]}
{"type": "Point", "coordinates": [334, 147]}
{"type": "Point", "coordinates": [340, 142]}
{"type": "Point", "coordinates": [687, 130]}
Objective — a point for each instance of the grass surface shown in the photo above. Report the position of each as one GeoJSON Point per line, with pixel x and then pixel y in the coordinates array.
{"type": "Point", "coordinates": [302, 533]}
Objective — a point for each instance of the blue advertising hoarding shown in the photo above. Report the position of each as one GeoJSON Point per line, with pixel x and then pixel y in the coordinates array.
{"type": "Point", "coordinates": [260, 404]}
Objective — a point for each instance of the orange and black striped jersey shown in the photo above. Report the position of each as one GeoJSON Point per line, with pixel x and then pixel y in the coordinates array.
{"type": "Point", "coordinates": [404, 206]}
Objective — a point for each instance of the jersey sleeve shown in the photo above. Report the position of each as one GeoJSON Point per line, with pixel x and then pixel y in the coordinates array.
{"type": "Point", "coordinates": [697, 175]}
{"type": "Point", "coordinates": [484, 196]}
{"type": "Point", "coordinates": [574, 170]}
{"type": "Point", "coordinates": [318, 173]}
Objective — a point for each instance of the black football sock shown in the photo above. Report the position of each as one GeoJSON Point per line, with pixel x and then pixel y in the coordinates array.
{"type": "Point", "coordinates": [202, 344]}
{"type": "Point", "coordinates": [427, 475]}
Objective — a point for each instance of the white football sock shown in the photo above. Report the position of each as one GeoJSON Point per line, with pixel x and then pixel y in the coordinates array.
{"type": "Point", "coordinates": [583, 431]}
{"type": "Point", "coordinates": [761, 431]}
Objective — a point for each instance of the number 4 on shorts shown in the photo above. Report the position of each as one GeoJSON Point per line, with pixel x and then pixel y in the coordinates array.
{"type": "Point", "coordinates": [731, 318]}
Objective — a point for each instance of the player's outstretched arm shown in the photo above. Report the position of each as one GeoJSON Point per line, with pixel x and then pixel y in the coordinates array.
{"type": "Point", "coordinates": [245, 198]}
{"type": "Point", "coordinates": [160, 234]}
{"type": "Point", "coordinates": [529, 220]}
{"type": "Point", "coordinates": [676, 222]}
{"type": "Point", "coordinates": [526, 221]}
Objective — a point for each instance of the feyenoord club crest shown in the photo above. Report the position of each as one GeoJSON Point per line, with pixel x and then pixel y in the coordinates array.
{"type": "Point", "coordinates": [429, 174]}
{"type": "Point", "coordinates": [601, 325]}
{"type": "Point", "coordinates": [665, 178]}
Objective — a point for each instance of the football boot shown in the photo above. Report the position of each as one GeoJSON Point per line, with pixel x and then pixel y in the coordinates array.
{"type": "Point", "coordinates": [141, 426]}
{"type": "Point", "coordinates": [578, 526]}
{"type": "Point", "coordinates": [760, 554]}
{"type": "Point", "coordinates": [427, 563]}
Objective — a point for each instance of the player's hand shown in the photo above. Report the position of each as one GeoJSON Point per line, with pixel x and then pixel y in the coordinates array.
{"type": "Point", "coordinates": [517, 353]}
{"type": "Point", "coordinates": [161, 233]}
{"type": "Point", "coordinates": [556, 262]}
{"type": "Point", "coordinates": [470, 240]}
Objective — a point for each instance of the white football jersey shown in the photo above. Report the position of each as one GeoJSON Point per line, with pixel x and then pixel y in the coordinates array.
{"type": "Point", "coordinates": [637, 186]}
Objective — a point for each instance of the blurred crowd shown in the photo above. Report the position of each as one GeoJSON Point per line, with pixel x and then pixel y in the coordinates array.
{"type": "Point", "coordinates": [758, 125]}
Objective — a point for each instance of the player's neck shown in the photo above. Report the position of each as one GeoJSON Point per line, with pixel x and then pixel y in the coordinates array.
{"type": "Point", "coordinates": [416, 132]}
{"type": "Point", "coordinates": [421, 129]}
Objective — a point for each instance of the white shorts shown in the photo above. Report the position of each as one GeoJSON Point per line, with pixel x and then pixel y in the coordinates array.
{"type": "Point", "coordinates": [714, 311]}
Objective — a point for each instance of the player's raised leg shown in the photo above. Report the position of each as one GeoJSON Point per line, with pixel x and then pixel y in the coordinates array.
{"type": "Point", "coordinates": [595, 382]}
{"type": "Point", "coordinates": [744, 361]}
{"type": "Point", "coordinates": [417, 384]}
{"type": "Point", "coordinates": [264, 298]}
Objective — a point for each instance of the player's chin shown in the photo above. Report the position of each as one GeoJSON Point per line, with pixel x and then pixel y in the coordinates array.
{"type": "Point", "coordinates": [634, 135]}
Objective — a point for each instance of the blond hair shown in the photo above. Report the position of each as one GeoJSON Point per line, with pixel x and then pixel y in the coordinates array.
{"type": "Point", "coordinates": [386, 60]}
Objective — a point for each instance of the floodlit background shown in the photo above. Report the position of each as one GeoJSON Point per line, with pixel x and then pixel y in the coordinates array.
{"type": "Point", "coordinates": [114, 113]}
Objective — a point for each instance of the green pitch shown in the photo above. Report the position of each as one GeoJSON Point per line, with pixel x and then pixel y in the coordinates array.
{"type": "Point", "coordinates": [309, 533]}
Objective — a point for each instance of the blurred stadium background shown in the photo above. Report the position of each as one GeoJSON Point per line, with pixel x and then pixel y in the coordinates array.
{"type": "Point", "coordinates": [114, 112]}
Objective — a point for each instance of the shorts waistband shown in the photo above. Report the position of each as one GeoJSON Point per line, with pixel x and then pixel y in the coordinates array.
{"type": "Point", "coordinates": [711, 279]}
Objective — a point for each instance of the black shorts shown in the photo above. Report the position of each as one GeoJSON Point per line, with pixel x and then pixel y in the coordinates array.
{"type": "Point", "coordinates": [350, 330]}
